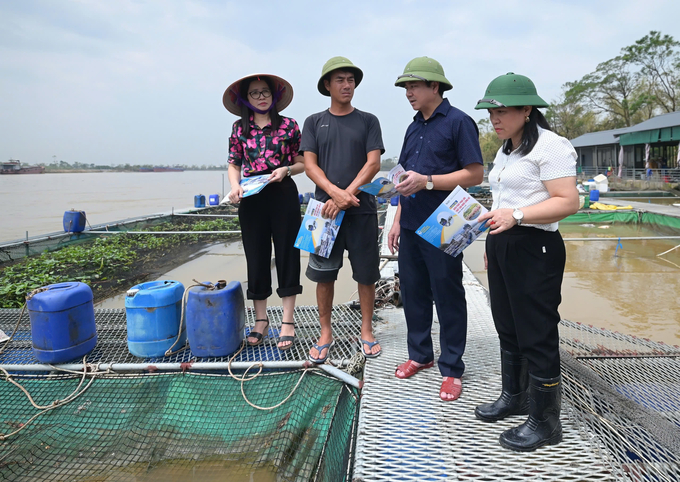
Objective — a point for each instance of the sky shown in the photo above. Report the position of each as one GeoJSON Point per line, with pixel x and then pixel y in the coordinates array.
{"type": "Point", "coordinates": [141, 81]}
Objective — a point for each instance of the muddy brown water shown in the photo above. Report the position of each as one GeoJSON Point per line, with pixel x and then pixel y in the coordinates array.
{"type": "Point", "coordinates": [227, 262]}
{"type": "Point", "coordinates": [632, 291]}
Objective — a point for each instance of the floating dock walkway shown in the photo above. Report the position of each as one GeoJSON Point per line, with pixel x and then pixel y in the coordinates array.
{"type": "Point", "coordinates": [620, 405]}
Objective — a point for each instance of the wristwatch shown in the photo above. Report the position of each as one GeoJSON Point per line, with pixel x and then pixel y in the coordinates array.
{"type": "Point", "coordinates": [289, 171]}
{"type": "Point", "coordinates": [429, 185]}
{"type": "Point", "coordinates": [518, 215]}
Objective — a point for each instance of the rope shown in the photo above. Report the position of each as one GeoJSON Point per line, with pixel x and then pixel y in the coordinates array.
{"type": "Point", "coordinates": [169, 351]}
{"type": "Point", "coordinates": [244, 378]}
{"type": "Point", "coordinates": [23, 308]}
{"type": "Point", "coordinates": [88, 370]}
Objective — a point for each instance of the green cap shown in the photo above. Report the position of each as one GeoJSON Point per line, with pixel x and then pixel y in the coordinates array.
{"type": "Point", "coordinates": [510, 90]}
{"type": "Point", "coordinates": [338, 63]}
{"type": "Point", "coordinates": [425, 69]}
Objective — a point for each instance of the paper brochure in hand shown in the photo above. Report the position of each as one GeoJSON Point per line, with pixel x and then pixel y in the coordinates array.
{"type": "Point", "coordinates": [383, 187]}
{"type": "Point", "coordinates": [317, 234]}
{"type": "Point", "coordinates": [254, 184]}
{"type": "Point", "coordinates": [453, 226]}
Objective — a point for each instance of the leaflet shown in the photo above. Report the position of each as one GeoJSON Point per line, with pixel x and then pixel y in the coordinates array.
{"type": "Point", "coordinates": [317, 234]}
{"type": "Point", "coordinates": [383, 187]}
{"type": "Point", "coordinates": [452, 226]}
{"type": "Point", "coordinates": [253, 184]}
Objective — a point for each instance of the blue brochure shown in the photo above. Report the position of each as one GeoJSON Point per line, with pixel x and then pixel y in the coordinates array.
{"type": "Point", "coordinates": [317, 234]}
{"type": "Point", "coordinates": [254, 184]}
{"type": "Point", "coordinates": [452, 227]}
{"type": "Point", "coordinates": [383, 187]}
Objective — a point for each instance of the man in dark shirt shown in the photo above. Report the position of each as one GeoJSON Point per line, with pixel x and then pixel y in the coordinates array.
{"type": "Point", "coordinates": [440, 151]}
{"type": "Point", "coordinates": [342, 147]}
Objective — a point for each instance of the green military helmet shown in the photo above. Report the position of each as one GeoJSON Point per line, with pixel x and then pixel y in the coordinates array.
{"type": "Point", "coordinates": [510, 90]}
{"type": "Point", "coordinates": [425, 69]}
{"type": "Point", "coordinates": [338, 63]}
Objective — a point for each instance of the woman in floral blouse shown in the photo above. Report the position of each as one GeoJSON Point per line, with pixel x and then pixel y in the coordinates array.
{"type": "Point", "coordinates": [263, 142]}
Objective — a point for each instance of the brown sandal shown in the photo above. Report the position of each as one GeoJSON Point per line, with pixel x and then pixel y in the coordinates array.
{"type": "Point", "coordinates": [257, 335]}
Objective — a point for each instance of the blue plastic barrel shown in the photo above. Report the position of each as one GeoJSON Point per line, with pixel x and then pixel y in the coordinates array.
{"type": "Point", "coordinates": [74, 221]}
{"type": "Point", "coordinates": [215, 319]}
{"type": "Point", "coordinates": [214, 199]}
{"type": "Point", "coordinates": [305, 198]}
{"type": "Point", "coordinates": [199, 201]}
{"type": "Point", "coordinates": [394, 201]}
{"type": "Point", "coordinates": [153, 311]}
{"type": "Point", "coordinates": [62, 322]}
{"type": "Point", "coordinates": [594, 195]}
{"type": "Point", "coordinates": [300, 198]}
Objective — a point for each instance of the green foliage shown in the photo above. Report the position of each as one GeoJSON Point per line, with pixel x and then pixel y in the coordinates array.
{"type": "Point", "coordinates": [388, 163]}
{"type": "Point", "coordinates": [488, 141]}
{"type": "Point", "coordinates": [641, 82]}
{"type": "Point", "coordinates": [570, 119]}
{"type": "Point", "coordinates": [103, 259]}
{"type": "Point", "coordinates": [660, 64]}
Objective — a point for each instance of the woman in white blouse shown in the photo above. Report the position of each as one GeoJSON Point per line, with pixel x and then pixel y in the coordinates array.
{"type": "Point", "coordinates": [533, 182]}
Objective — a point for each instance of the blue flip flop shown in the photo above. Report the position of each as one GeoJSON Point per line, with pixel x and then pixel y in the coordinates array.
{"type": "Point", "coordinates": [370, 344]}
{"type": "Point", "coordinates": [320, 348]}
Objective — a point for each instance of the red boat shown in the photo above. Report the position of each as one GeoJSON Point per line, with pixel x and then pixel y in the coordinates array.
{"type": "Point", "coordinates": [14, 167]}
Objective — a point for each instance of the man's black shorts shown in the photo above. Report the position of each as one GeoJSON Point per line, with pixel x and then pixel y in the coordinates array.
{"type": "Point", "coordinates": [359, 236]}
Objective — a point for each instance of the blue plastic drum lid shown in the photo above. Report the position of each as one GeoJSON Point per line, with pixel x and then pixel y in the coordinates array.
{"type": "Point", "coordinates": [62, 322]}
{"type": "Point", "coordinates": [153, 311]}
{"type": "Point", "coordinates": [215, 320]}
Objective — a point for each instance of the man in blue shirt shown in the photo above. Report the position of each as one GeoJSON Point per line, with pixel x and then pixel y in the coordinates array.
{"type": "Point", "coordinates": [440, 151]}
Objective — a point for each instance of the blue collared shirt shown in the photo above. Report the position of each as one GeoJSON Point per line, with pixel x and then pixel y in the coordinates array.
{"type": "Point", "coordinates": [446, 142]}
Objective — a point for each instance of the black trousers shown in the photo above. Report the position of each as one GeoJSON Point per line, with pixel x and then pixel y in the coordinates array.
{"type": "Point", "coordinates": [428, 274]}
{"type": "Point", "coordinates": [271, 214]}
{"type": "Point", "coordinates": [526, 267]}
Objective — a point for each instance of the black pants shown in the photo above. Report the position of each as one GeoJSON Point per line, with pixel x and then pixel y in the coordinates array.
{"type": "Point", "coordinates": [428, 274]}
{"type": "Point", "coordinates": [273, 213]}
{"type": "Point", "coordinates": [526, 266]}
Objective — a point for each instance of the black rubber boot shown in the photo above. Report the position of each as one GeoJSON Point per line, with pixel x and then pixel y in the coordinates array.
{"type": "Point", "coordinates": [514, 399]}
{"type": "Point", "coordinates": [543, 426]}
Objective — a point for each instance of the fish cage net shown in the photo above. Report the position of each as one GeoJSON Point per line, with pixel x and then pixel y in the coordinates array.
{"type": "Point", "coordinates": [13, 251]}
{"type": "Point", "coordinates": [623, 394]}
{"type": "Point", "coordinates": [161, 426]}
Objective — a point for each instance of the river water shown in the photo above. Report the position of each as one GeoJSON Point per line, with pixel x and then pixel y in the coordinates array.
{"type": "Point", "coordinates": [634, 291]}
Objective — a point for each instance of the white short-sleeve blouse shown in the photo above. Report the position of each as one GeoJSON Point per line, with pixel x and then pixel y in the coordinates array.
{"type": "Point", "coordinates": [517, 181]}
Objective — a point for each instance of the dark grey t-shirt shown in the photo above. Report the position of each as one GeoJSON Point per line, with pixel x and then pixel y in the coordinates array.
{"type": "Point", "coordinates": [341, 144]}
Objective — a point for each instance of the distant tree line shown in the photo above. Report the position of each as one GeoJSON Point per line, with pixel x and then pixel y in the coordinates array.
{"type": "Point", "coordinates": [83, 166]}
{"type": "Point", "coordinates": [641, 82]}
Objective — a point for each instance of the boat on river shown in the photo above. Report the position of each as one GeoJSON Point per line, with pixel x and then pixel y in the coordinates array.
{"type": "Point", "coordinates": [13, 166]}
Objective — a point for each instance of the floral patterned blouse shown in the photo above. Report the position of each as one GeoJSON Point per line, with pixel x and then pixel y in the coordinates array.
{"type": "Point", "coordinates": [265, 150]}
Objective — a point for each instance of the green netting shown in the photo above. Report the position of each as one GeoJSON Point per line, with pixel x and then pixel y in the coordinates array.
{"type": "Point", "coordinates": [657, 222]}
{"type": "Point", "coordinates": [602, 217]}
{"type": "Point", "coordinates": [660, 222]}
{"type": "Point", "coordinates": [161, 426]}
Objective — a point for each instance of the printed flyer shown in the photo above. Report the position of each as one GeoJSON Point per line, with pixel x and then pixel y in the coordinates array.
{"type": "Point", "coordinates": [317, 234]}
{"type": "Point", "coordinates": [254, 184]}
{"type": "Point", "coordinates": [452, 226]}
{"type": "Point", "coordinates": [383, 187]}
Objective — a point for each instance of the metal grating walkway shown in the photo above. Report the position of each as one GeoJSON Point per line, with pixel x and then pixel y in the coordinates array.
{"type": "Point", "coordinates": [112, 338]}
{"type": "Point", "coordinates": [407, 433]}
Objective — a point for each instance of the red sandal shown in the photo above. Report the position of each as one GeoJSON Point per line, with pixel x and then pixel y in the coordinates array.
{"type": "Point", "coordinates": [410, 368]}
{"type": "Point", "coordinates": [449, 387]}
